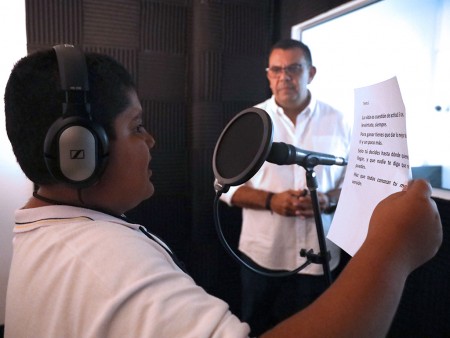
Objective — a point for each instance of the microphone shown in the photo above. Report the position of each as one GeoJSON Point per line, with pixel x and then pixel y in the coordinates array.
{"type": "Point", "coordinates": [246, 143]}
{"type": "Point", "coordinates": [282, 154]}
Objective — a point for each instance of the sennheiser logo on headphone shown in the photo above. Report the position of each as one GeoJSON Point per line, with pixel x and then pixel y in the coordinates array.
{"type": "Point", "coordinates": [77, 154]}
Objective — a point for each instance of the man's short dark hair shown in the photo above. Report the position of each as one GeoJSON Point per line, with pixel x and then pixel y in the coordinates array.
{"type": "Point", "coordinates": [33, 102]}
{"type": "Point", "coordinates": [286, 44]}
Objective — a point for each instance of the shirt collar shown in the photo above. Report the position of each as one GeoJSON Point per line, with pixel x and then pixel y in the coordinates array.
{"type": "Point", "coordinates": [309, 109]}
{"type": "Point", "coordinates": [33, 218]}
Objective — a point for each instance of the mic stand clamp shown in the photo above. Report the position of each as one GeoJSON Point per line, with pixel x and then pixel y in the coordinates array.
{"type": "Point", "coordinates": [219, 187]}
{"type": "Point", "coordinates": [314, 258]}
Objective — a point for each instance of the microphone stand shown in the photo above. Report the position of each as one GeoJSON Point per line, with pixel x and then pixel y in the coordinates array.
{"type": "Point", "coordinates": [323, 256]}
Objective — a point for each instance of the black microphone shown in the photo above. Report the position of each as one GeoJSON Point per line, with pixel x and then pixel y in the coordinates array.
{"type": "Point", "coordinates": [246, 143]}
{"type": "Point", "coordinates": [282, 153]}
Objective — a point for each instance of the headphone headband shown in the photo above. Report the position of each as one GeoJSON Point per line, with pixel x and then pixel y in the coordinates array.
{"type": "Point", "coordinates": [74, 80]}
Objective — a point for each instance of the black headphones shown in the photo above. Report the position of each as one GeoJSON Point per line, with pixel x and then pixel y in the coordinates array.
{"type": "Point", "coordinates": [75, 147]}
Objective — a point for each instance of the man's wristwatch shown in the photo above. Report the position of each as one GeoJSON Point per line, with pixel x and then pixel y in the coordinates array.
{"type": "Point", "coordinates": [331, 206]}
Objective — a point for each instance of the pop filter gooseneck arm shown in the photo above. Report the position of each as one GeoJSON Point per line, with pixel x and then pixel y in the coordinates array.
{"type": "Point", "coordinates": [233, 254]}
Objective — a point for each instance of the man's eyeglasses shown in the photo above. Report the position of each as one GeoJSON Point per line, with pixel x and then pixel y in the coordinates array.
{"type": "Point", "coordinates": [293, 70]}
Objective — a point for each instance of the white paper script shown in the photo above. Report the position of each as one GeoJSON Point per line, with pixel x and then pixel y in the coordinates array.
{"type": "Point", "coordinates": [378, 162]}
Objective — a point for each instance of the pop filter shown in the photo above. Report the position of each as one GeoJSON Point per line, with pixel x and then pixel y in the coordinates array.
{"type": "Point", "coordinates": [242, 147]}
{"type": "Point", "coordinates": [240, 152]}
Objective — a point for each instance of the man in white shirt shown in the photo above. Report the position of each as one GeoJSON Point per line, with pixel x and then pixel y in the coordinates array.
{"type": "Point", "coordinates": [278, 217]}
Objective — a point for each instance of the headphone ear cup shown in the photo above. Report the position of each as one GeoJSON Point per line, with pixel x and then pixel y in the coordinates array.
{"type": "Point", "coordinates": [76, 151]}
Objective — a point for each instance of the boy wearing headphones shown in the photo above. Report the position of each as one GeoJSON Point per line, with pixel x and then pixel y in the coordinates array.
{"type": "Point", "coordinates": [80, 268]}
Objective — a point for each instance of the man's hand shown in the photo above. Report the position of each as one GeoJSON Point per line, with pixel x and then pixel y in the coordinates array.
{"type": "Point", "coordinates": [297, 203]}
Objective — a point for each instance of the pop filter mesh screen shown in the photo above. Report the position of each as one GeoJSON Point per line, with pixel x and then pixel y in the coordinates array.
{"type": "Point", "coordinates": [239, 145]}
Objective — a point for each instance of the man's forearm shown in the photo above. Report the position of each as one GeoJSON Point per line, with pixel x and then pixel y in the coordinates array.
{"type": "Point", "coordinates": [246, 197]}
{"type": "Point", "coordinates": [360, 303]}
